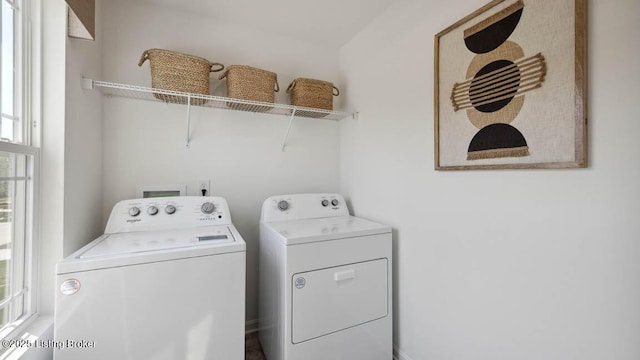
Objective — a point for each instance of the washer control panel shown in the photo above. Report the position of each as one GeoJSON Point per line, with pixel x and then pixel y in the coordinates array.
{"type": "Point", "coordinates": [176, 212]}
{"type": "Point", "coordinates": [303, 206]}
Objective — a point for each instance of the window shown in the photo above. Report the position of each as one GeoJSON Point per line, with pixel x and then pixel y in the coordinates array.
{"type": "Point", "coordinates": [18, 170]}
{"type": "Point", "coordinates": [7, 74]}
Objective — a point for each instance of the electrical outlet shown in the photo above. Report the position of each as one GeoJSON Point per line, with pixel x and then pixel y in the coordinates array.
{"type": "Point", "coordinates": [206, 186]}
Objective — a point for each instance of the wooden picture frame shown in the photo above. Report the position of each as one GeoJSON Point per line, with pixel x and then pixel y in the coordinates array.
{"type": "Point", "coordinates": [510, 87]}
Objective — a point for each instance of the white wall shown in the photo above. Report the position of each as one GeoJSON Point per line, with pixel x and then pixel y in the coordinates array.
{"type": "Point", "coordinates": [83, 143]}
{"type": "Point", "coordinates": [498, 264]}
{"type": "Point", "coordinates": [144, 142]}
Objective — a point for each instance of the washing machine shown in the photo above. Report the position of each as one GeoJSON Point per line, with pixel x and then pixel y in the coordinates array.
{"type": "Point", "coordinates": [324, 281]}
{"type": "Point", "coordinates": [166, 281]}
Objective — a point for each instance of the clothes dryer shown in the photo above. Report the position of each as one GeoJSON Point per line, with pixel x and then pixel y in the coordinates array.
{"type": "Point", "coordinates": [325, 286]}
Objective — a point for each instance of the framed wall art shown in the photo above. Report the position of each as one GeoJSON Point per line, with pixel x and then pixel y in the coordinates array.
{"type": "Point", "coordinates": [510, 87]}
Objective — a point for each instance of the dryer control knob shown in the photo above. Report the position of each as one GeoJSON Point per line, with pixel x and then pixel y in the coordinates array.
{"type": "Point", "coordinates": [170, 209]}
{"type": "Point", "coordinates": [152, 210]}
{"type": "Point", "coordinates": [325, 202]}
{"type": "Point", "coordinates": [335, 202]}
{"type": "Point", "coordinates": [134, 211]}
{"type": "Point", "coordinates": [283, 205]}
{"type": "Point", "coordinates": [207, 208]}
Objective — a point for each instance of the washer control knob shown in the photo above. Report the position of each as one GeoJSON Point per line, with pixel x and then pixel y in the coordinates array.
{"type": "Point", "coordinates": [208, 208]}
{"type": "Point", "coordinates": [283, 205]}
{"type": "Point", "coordinates": [170, 209]}
{"type": "Point", "coordinates": [325, 202]}
{"type": "Point", "coordinates": [134, 211]}
{"type": "Point", "coordinates": [152, 210]}
{"type": "Point", "coordinates": [335, 202]}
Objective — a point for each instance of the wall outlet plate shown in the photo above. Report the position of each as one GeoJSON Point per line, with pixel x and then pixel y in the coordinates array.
{"type": "Point", "coordinates": [206, 186]}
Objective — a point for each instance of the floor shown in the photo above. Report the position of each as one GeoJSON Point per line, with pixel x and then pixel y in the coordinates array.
{"type": "Point", "coordinates": [252, 347]}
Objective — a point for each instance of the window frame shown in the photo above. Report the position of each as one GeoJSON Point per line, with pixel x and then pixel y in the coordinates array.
{"type": "Point", "coordinates": [24, 89]}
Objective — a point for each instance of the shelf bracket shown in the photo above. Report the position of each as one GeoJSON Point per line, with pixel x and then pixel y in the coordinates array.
{"type": "Point", "coordinates": [188, 121]}
{"type": "Point", "coordinates": [286, 136]}
{"type": "Point", "coordinates": [87, 84]}
{"type": "Point", "coordinates": [177, 97]}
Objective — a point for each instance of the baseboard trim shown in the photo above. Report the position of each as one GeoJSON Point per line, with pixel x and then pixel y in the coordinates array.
{"type": "Point", "coordinates": [399, 355]}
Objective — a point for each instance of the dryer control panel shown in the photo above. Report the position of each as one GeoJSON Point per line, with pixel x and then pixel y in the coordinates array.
{"type": "Point", "coordinates": [303, 206]}
{"type": "Point", "coordinates": [168, 213]}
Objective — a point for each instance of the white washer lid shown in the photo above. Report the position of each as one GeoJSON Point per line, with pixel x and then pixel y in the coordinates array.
{"type": "Point", "coordinates": [322, 229]}
{"type": "Point", "coordinates": [120, 249]}
{"type": "Point", "coordinates": [141, 242]}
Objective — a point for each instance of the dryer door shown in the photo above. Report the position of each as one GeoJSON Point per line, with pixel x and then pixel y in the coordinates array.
{"type": "Point", "coordinates": [333, 299]}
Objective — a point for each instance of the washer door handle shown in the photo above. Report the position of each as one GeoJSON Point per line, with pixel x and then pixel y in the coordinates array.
{"type": "Point", "coordinates": [344, 275]}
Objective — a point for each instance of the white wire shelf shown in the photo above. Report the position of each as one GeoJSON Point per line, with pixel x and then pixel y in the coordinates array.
{"type": "Point", "coordinates": [175, 97]}
{"type": "Point", "coordinates": [189, 99]}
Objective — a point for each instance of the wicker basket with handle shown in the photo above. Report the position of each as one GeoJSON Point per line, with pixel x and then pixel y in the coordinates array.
{"type": "Point", "coordinates": [313, 93]}
{"type": "Point", "coordinates": [249, 83]}
{"type": "Point", "coordinates": [174, 71]}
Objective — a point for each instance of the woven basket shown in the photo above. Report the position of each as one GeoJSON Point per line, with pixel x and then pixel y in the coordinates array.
{"type": "Point", "coordinates": [249, 83]}
{"type": "Point", "coordinates": [179, 72]}
{"type": "Point", "coordinates": [313, 93]}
